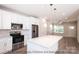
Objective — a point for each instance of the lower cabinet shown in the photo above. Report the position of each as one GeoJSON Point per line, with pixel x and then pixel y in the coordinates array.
{"type": "Point", "coordinates": [5, 44]}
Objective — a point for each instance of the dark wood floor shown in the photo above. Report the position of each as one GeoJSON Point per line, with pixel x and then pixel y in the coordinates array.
{"type": "Point", "coordinates": [22, 50]}
{"type": "Point", "coordinates": [68, 45]}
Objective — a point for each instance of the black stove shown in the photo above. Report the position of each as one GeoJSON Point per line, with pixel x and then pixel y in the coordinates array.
{"type": "Point", "coordinates": [17, 38]}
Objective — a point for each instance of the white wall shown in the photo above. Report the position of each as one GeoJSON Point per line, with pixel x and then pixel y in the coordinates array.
{"type": "Point", "coordinates": [70, 32]}
{"type": "Point", "coordinates": [42, 27]}
{"type": "Point", "coordinates": [67, 31]}
{"type": "Point", "coordinates": [49, 29]}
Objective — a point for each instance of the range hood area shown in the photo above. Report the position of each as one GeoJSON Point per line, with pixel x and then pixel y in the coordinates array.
{"type": "Point", "coordinates": [15, 26]}
{"type": "Point", "coordinates": [17, 37]}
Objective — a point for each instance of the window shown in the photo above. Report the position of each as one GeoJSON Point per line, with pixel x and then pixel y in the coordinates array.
{"type": "Point", "coordinates": [58, 29]}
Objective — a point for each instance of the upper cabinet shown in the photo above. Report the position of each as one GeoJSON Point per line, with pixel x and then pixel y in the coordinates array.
{"type": "Point", "coordinates": [0, 19]}
{"type": "Point", "coordinates": [16, 18]}
{"type": "Point", "coordinates": [34, 20]}
{"type": "Point", "coordinates": [6, 20]}
{"type": "Point", "coordinates": [26, 23]}
{"type": "Point", "coordinates": [20, 19]}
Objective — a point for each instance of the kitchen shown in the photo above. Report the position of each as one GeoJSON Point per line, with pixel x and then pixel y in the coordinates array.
{"type": "Point", "coordinates": [9, 22]}
{"type": "Point", "coordinates": [21, 30]}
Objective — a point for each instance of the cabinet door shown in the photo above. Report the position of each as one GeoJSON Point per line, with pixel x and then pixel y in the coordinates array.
{"type": "Point", "coordinates": [34, 20]}
{"type": "Point", "coordinates": [2, 45]}
{"type": "Point", "coordinates": [8, 44]}
{"type": "Point", "coordinates": [16, 18]}
{"type": "Point", "coordinates": [0, 19]}
{"type": "Point", "coordinates": [6, 19]}
{"type": "Point", "coordinates": [26, 23]}
{"type": "Point", "coordinates": [5, 45]}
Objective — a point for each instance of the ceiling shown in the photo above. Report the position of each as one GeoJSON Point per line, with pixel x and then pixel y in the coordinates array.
{"type": "Point", "coordinates": [62, 12]}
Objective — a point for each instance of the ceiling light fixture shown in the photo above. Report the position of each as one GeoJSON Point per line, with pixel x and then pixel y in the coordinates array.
{"type": "Point", "coordinates": [51, 4]}
{"type": "Point", "coordinates": [54, 8]}
{"type": "Point", "coordinates": [53, 12]}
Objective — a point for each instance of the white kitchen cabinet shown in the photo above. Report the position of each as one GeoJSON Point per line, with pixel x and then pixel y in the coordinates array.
{"type": "Point", "coordinates": [34, 20]}
{"type": "Point", "coordinates": [0, 19]}
{"type": "Point", "coordinates": [26, 23]}
{"type": "Point", "coordinates": [10, 17]}
{"type": "Point", "coordinates": [6, 20]}
{"type": "Point", "coordinates": [5, 44]}
{"type": "Point", "coordinates": [8, 44]}
{"type": "Point", "coordinates": [16, 18]}
{"type": "Point", "coordinates": [2, 45]}
{"type": "Point", "coordinates": [20, 19]}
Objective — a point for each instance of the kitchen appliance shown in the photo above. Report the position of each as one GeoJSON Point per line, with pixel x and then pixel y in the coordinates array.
{"type": "Point", "coordinates": [15, 26]}
{"type": "Point", "coordinates": [34, 30]}
{"type": "Point", "coordinates": [18, 39]}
